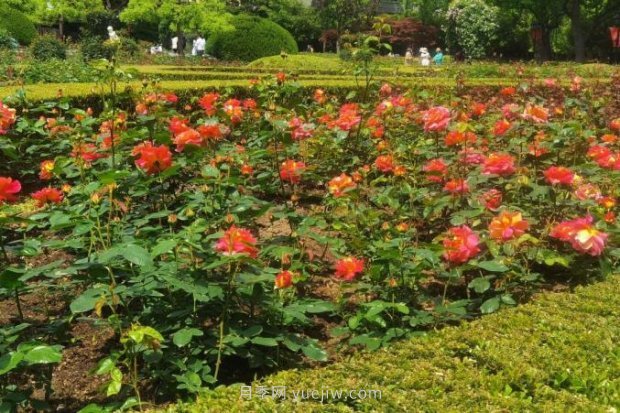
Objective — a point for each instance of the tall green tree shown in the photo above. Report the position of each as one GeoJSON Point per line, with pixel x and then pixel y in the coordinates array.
{"type": "Point", "coordinates": [547, 16]}
{"type": "Point", "coordinates": [590, 18]}
{"type": "Point", "coordinates": [204, 16]}
{"type": "Point", "coordinates": [25, 6]}
{"type": "Point", "coordinates": [347, 15]}
{"type": "Point", "coordinates": [428, 11]}
{"type": "Point", "coordinates": [471, 27]}
{"type": "Point", "coordinates": [65, 11]}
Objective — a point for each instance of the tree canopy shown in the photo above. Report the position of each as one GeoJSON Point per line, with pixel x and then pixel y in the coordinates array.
{"type": "Point", "coordinates": [195, 16]}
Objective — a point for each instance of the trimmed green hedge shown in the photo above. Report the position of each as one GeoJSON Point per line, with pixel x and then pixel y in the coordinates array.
{"type": "Point", "coordinates": [559, 353]}
{"type": "Point", "coordinates": [17, 24]}
{"type": "Point", "coordinates": [251, 38]}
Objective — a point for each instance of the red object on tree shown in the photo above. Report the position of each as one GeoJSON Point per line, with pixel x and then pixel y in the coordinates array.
{"type": "Point", "coordinates": [614, 33]}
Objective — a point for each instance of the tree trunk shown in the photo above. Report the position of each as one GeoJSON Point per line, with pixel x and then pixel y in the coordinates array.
{"type": "Point", "coordinates": [579, 38]}
{"type": "Point", "coordinates": [181, 43]}
{"type": "Point", "coordinates": [544, 45]}
{"type": "Point", "coordinates": [61, 28]}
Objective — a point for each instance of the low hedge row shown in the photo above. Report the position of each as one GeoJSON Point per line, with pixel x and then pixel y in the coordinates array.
{"type": "Point", "coordinates": [52, 90]}
{"type": "Point", "coordinates": [197, 76]}
{"type": "Point", "coordinates": [41, 92]}
{"type": "Point", "coordinates": [559, 353]}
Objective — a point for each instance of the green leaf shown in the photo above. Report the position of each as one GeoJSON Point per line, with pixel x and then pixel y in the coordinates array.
{"type": "Point", "coordinates": [210, 172]}
{"type": "Point", "coordinates": [315, 353]}
{"type": "Point", "coordinates": [493, 266]}
{"type": "Point", "coordinates": [93, 408]}
{"type": "Point", "coordinates": [43, 354]}
{"type": "Point", "coordinates": [508, 300]}
{"type": "Point", "coordinates": [114, 386]}
{"type": "Point", "coordinates": [163, 247]}
{"type": "Point", "coordinates": [293, 342]}
{"type": "Point", "coordinates": [252, 331]}
{"type": "Point", "coordinates": [372, 343]}
{"type": "Point", "coordinates": [490, 306]}
{"type": "Point", "coordinates": [480, 284]}
{"type": "Point", "coordinates": [10, 278]}
{"type": "Point", "coordinates": [105, 366]}
{"type": "Point", "coordinates": [86, 301]}
{"type": "Point", "coordinates": [136, 255]}
{"type": "Point", "coordinates": [183, 337]}
{"type": "Point", "coordinates": [9, 361]}
{"type": "Point", "coordinates": [265, 341]}
{"type": "Point", "coordinates": [319, 307]}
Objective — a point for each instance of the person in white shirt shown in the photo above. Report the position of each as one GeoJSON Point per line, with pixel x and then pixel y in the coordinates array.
{"type": "Point", "coordinates": [425, 57]}
{"type": "Point", "coordinates": [175, 44]}
{"type": "Point", "coordinates": [201, 43]}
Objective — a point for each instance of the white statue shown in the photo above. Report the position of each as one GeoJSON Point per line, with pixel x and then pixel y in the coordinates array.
{"type": "Point", "coordinates": [112, 34]}
{"type": "Point", "coordinates": [425, 57]}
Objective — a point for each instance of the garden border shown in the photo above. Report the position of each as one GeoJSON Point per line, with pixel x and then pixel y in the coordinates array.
{"type": "Point", "coordinates": [558, 353]}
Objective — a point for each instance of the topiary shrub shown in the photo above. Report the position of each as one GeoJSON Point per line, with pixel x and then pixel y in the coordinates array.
{"type": "Point", "coordinates": [251, 39]}
{"type": "Point", "coordinates": [48, 47]}
{"type": "Point", "coordinates": [17, 24]}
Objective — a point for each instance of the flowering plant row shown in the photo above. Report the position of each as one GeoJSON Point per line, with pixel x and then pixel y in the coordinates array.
{"type": "Point", "coordinates": [221, 232]}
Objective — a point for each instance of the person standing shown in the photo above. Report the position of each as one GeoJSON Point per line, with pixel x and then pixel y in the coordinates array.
{"type": "Point", "coordinates": [174, 43]}
{"type": "Point", "coordinates": [408, 57]}
{"type": "Point", "coordinates": [425, 57]}
{"type": "Point", "coordinates": [201, 43]}
{"type": "Point", "coordinates": [438, 58]}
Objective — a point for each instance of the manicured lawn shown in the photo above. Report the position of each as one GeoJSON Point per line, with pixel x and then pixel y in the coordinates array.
{"type": "Point", "coordinates": [559, 353]}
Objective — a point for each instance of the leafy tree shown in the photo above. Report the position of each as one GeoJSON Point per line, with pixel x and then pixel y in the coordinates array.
{"type": "Point", "coordinates": [65, 11]}
{"type": "Point", "coordinates": [590, 18]}
{"type": "Point", "coordinates": [471, 27]}
{"type": "Point", "coordinates": [347, 15]}
{"type": "Point", "coordinates": [547, 16]}
{"type": "Point", "coordinates": [25, 6]}
{"type": "Point", "coordinates": [180, 17]}
{"type": "Point", "coordinates": [427, 11]}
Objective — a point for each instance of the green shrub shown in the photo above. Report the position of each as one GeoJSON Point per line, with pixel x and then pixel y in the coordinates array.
{"type": "Point", "coordinates": [129, 47]}
{"type": "Point", "coordinates": [251, 38]}
{"type": "Point", "coordinates": [17, 24]}
{"type": "Point", "coordinates": [7, 42]}
{"type": "Point", "coordinates": [58, 71]}
{"type": "Point", "coordinates": [93, 47]}
{"type": "Point", "coordinates": [48, 47]}
{"type": "Point", "coordinates": [96, 47]}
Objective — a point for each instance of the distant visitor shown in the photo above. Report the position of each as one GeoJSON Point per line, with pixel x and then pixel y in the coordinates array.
{"type": "Point", "coordinates": [438, 58]}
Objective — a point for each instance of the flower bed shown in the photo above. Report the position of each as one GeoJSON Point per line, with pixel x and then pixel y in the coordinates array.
{"type": "Point", "coordinates": [222, 236]}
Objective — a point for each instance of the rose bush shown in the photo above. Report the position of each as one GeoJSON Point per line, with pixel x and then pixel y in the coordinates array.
{"type": "Point", "coordinates": [223, 233]}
